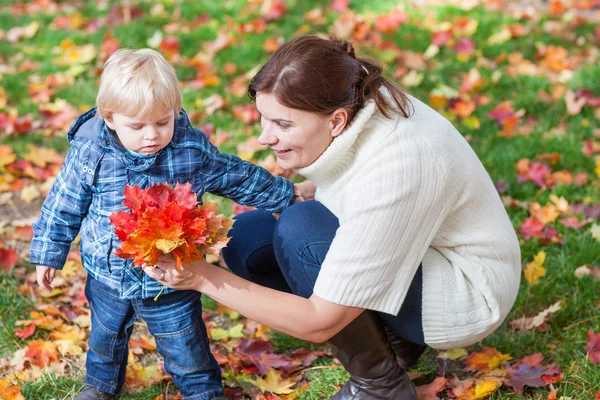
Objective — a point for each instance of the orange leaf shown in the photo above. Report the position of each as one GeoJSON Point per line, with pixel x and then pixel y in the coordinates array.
{"type": "Point", "coordinates": [486, 360]}
{"type": "Point", "coordinates": [42, 353]}
{"type": "Point", "coordinates": [9, 391]}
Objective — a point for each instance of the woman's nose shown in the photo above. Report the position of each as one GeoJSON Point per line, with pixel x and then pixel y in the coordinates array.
{"type": "Point", "coordinates": [267, 138]}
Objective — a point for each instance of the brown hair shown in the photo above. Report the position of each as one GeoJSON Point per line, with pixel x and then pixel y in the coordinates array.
{"type": "Point", "coordinates": [320, 75]}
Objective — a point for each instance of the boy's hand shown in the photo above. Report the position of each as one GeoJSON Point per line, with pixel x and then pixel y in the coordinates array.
{"type": "Point", "coordinates": [304, 191]}
{"type": "Point", "coordinates": [45, 276]}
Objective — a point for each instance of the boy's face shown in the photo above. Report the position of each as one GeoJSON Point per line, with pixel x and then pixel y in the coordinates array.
{"type": "Point", "coordinates": [144, 136]}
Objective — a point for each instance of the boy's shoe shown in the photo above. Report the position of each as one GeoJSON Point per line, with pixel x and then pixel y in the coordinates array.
{"type": "Point", "coordinates": [91, 393]}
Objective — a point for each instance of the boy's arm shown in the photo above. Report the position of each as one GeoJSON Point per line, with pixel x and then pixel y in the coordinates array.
{"type": "Point", "coordinates": [246, 183]}
{"type": "Point", "coordinates": [61, 215]}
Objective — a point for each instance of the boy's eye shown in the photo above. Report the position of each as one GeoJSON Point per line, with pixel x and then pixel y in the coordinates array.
{"type": "Point", "coordinates": [163, 123]}
{"type": "Point", "coordinates": [136, 127]}
{"type": "Point", "coordinates": [282, 126]}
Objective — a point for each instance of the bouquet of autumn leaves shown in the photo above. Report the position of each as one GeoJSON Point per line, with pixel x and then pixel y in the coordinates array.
{"type": "Point", "coordinates": [166, 220]}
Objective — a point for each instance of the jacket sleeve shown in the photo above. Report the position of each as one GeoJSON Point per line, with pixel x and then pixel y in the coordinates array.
{"type": "Point", "coordinates": [244, 182]}
{"type": "Point", "coordinates": [62, 212]}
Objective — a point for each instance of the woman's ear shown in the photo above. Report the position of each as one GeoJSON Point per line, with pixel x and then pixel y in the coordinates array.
{"type": "Point", "coordinates": [338, 121]}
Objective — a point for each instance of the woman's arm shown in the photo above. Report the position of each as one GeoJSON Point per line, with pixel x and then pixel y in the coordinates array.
{"type": "Point", "coordinates": [312, 319]}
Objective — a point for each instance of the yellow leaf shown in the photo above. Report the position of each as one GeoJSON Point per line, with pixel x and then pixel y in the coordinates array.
{"type": "Point", "coordinates": [598, 166]}
{"type": "Point", "coordinates": [68, 347]}
{"type": "Point", "coordinates": [413, 78]}
{"type": "Point", "coordinates": [30, 30]}
{"type": "Point", "coordinates": [273, 383]}
{"type": "Point", "coordinates": [533, 272]}
{"type": "Point", "coordinates": [540, 258]}
{"type": "Point", "coordinates": [218, 334]}
{"type": "Point", "coordinates": [166, 245]}
{"type": "Point", "coordinates": [595, 231]}
{"type": "Point", "coordinates": [481, 390]}
{"type": "Point", "coordinates": [236, 331]}
{"type": "Point", "coordinates": [500, 37]}
{"type": "Point", "coordinates": [471, 122]}
{"type": "Point", "coordinates": [453, 354]}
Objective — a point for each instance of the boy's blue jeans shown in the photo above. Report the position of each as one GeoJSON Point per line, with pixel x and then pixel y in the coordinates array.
{"type": "Point", "coordinates": [176, 322]}
{"type": "Point", "coordinates": [287, 254]}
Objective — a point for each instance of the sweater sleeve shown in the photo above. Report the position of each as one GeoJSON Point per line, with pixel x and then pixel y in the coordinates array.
{"type": "Point", "coordinates": [392, 211]}
{"type": "Point", "coordinates": [62, 212]}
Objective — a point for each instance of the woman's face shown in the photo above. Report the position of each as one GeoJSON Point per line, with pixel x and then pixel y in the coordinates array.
{"type": "Point", "coordinates": [296, 137]}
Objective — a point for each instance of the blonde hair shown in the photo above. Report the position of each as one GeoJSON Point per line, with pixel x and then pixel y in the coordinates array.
{"type": "Point", "coordinates": [137, 83]}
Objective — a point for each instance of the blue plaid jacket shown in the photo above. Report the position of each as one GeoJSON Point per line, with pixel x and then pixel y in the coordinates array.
{"type": "Point", "coordinates": [90, 185]}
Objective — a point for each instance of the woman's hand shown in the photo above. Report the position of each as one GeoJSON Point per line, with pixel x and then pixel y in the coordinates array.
{"type": "Point", "coordinates": [304, 191]}
{"type": "Point", "coordinates": [165, 272]}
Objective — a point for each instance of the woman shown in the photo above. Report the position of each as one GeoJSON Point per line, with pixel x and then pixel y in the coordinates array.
{"type": "Point", "coordinates": [407, 224]}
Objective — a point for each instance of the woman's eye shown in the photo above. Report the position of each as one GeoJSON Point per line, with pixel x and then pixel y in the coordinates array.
{"type": "Point", "coordinates": [283, 127]}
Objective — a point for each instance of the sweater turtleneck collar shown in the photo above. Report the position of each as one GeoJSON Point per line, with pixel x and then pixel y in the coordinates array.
{"type": "Point", "coordinates": [340, 153]}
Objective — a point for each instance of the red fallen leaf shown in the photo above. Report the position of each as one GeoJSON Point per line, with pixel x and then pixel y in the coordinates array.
{"type": "Point", "coordinates": [23, 124]}
{"type": "Point", "coordinates": [464, 46]}
{"type": "Point", "coordinates": [533, 360]}
{"type": "Point", "coordinates": [273, 9]}
{"type": "Point", "coordinates": [593, 347]}
{"type": "Point", "coordinates": [169, 46]}
{"type": "Point", "coordinates": [388, 23]}
{"type": "Point", "coordinates": [504, 111]}
{"type": "Point", "coordinates": [531, 227]}
{"type": "Point", "coordinates": [42, 353]}
{"type": "Point", "coordinates": [257, 25]}
{"type": "Point", "coordinates": [539, 173]}
{"type": "Point", "coordinates": [165, 220]}
{"type": "Point", "coordinates": [8, 258]}
{"type": "Point", "coordinates": [24, 333]}
{"type": "Point", "coordinates": [109, 46]}
{"type": "Point", "coordinates": [430, 391]}
{"type": "Point", "coordinates": [272, 44]}
{"type": "Point", "coordinates": [246, 113]}
{"type": "Point", "coordinates": [441, 38]}
{"type": "Point", "coordinates": [339, 5]}
{"type": "Point", "coordinates": [590, 147]}
{"type": "Point", "coordinates": [573, 222]}
{"type": "Point", "coordinates": [525, 375]}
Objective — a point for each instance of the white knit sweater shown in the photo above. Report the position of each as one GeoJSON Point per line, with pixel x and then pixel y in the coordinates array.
{"type": "Point", "coordinates": [411, 190]}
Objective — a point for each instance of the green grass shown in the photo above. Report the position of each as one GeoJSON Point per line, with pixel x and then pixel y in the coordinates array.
{"type": "Point", "coordinates": [564, 341]}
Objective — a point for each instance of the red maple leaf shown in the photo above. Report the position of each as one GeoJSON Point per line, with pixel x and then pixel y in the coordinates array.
{"type": "Point", "coordinates": [8, 258]}
{"type": "Point", "coordinates": [165, 220]}
{"type": "Point", "coordinates": [26, 332]}
{"type": "Point", "coordinates": [593, 347]}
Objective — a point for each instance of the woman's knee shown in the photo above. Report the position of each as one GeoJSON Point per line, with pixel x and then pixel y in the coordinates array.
{"type": "Point", "coordinates": [304, 219]}
{"type": "Point", "coordinates": [251, 232]}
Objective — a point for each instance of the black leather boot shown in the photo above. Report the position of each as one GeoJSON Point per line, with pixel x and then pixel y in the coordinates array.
{"type": "Point", "coordinates": [91, 393]}
{"type": "Point", "coordinates": [363, 349]}
{"type": "Point", "coordinates": [407, 353]}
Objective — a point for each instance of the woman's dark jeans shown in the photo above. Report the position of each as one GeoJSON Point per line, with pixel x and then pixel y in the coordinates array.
{"type": "Point", "coordinates": [287, 254]}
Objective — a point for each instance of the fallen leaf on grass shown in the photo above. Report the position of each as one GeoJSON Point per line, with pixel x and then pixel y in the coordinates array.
{"type": "Point", "coordinates": [539, 322]}
{"type": "Point", "coordinates": [9, 391]}
{"type": "Point", "coordinates": [273, 383]}
{"type": "Point", "coordinates": [486, 360]}
{"type": "Point", "coordinates": [535, 269]}
{"type": "Point", "coordinates": [593, 347]}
